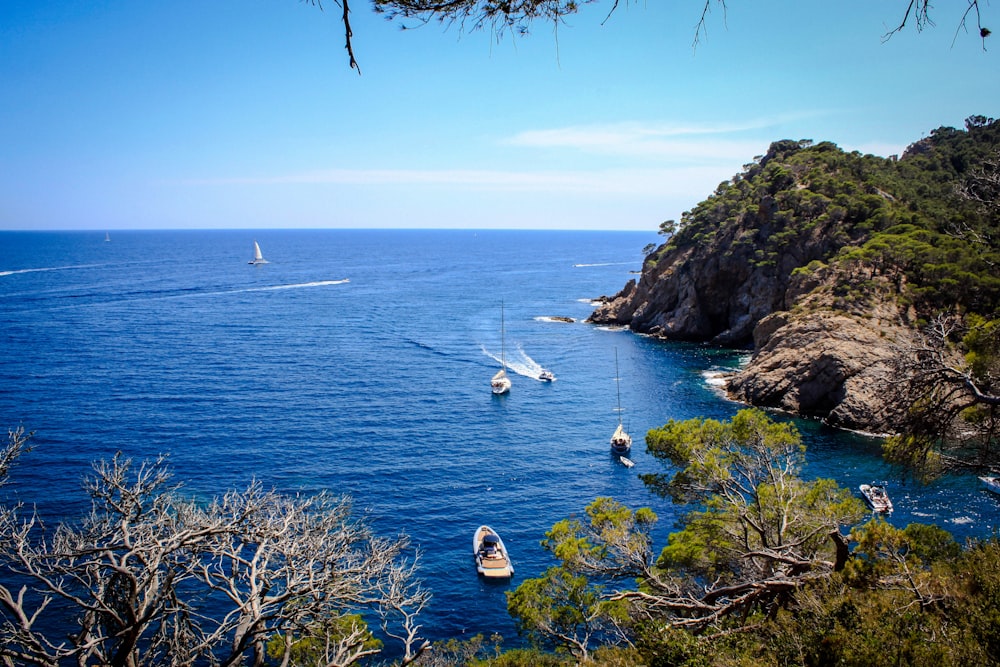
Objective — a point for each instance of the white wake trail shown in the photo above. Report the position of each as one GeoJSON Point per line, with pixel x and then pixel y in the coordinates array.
{"type": "Point", "coordinates": [520, 363]}
{"type": "Point", "coordinates": [49, 268]}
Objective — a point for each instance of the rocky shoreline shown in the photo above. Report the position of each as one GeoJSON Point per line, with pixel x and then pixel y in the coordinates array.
{"type": "Point", "coordinates": [761, 281]}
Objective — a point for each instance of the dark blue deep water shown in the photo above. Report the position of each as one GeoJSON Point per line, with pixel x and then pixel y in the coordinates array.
{"type": "Point", "coordinates": [359, 362]}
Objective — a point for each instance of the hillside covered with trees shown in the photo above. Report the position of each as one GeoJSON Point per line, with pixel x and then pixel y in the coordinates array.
{"type": "Point", "coordinates": [866, 286]}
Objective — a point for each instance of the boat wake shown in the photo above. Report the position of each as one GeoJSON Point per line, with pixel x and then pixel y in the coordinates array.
{"type": "Point", "coordinates": [318, 283]}
{"type": "Point", "coordinates": [519, 363]}
{"type": "Point", "coordinates": [193, 293]}
{"type": "Point", "coordinates": [587, 266]}
{"type": "Point", "coordinates": [49, 268]}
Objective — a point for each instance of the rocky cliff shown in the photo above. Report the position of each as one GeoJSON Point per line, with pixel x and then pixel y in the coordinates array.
{"type": "Point", "coordinates": [823, 262]}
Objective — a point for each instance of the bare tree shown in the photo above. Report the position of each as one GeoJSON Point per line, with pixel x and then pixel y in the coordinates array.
{"type": "Point", "coordinates": [517, 16]}
{"type": "Point", "coordinates": [294, 563]}
{"type": "Point", "coordinates": [149, 577]}
{"type": "Point", "coordinates": [982, 185]}
{"type": "Point", "coordinates": [954, 397]}
{"type": "Point", "coordinates": [919, 13]}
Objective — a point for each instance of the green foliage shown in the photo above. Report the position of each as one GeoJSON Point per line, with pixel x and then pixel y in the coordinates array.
{"type": "Point", "coordinates": [743, 475]}
{"type": "Point", "coordinates": [472, 652]}
{"type": "Point", "coordinates": [757, 572]}
{"type": "Point", "coordinates": [311, 648]}
{"type": "Point", "coordinates": [902, 218]}
{"type": "Point", "coordinates": [982, 342]}
{"type": "Point", "coordinates": [527, 658]}
{"type": "Point", "coordinates": [668, 228]}
{"type": "Point", "coordinates": [563, 609]}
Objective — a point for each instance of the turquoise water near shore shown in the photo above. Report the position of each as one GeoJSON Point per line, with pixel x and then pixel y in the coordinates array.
{"type": "Point", "coordinates": [359, 362]}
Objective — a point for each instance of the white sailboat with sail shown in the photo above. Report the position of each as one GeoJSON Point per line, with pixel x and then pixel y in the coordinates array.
{"type": "Point", "coordinates": [500, 383]}
{"type": "Point", "coordinates": [258, 258]}
{"type": "Point", "coordinates": [621, 442]}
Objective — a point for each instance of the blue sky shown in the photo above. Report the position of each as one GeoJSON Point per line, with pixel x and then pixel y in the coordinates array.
{"type": "Point", "coordinates": [226, 114]}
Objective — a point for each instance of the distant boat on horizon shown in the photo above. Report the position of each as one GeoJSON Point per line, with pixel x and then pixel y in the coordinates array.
{"type": "Point", "coordinates": [258, 258]}
{"type": "Point", "coordinates": [107, 236]}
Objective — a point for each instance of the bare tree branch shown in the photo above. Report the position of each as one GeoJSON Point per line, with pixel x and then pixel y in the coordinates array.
{"type": "Point", "coordinates": [155, 579]}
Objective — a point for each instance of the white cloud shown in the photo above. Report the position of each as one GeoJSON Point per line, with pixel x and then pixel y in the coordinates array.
{"type": "Point", "coordinates": [696, 144]}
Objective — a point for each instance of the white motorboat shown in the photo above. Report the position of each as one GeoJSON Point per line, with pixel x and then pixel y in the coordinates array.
{"type": "Point", "coordinates": [876, 497]}
{"type": "Point", "coordinates": [626, 461]}
{"type": "Point", "coordinates": [992, 483]}
{"type": "Point", "coordinates": [492, 559]}
{"type": "Point", "coordinates": [500, 383]}
{"type": "Point", "coordinates": [546, 375]}
{"type": "Point", "coordinates": [621, 441]}
{"type": "Point", "coordinates": [258, 257]}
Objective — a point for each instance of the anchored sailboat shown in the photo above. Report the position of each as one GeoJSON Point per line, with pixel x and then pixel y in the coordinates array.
{"type": "Point", "coordinates": [500, 383]}
{"type": "Point", "coordinates": [258, 258]}
{"type": "Point", "coordinates": [621, 442]}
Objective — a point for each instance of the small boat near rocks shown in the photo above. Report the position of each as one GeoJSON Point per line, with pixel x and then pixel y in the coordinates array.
{"type": "Point", "coordinates": [992, 483]}
{"type": "Point", "coordinates": [876, 497]}
{"type": "Point", "coordinates": [492, 559]}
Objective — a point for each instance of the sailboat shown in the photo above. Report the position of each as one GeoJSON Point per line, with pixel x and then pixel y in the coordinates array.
{"type": "Point", "coordinates": [107, 236]}
{"type": "Point", "coordinates": [621, 442]}
{"type": "Point", "coordinates": [500, 383]}
{"type": "Point", "coordinates": [258, 258]}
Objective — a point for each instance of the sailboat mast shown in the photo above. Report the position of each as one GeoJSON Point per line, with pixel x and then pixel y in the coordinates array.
{"type": "Point", "coordinates": [618, 387]}
{"type": "Point", "coordinates": [503, 346]}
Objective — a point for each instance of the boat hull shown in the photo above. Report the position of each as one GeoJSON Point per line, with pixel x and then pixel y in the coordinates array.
{"type": "Point", "coordinates": [876, 497]}
{"type": "Point", "coordinates": [500, 387]}
{"type": "Point", "coordinates": [620, 448]}
{"type": "Point", "coordinates": [492, 559]}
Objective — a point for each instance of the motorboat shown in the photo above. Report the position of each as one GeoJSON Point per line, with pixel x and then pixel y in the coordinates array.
{"type": "Point", "coordinates": [492, 559]}
{"type": "Point", "coordinates": [621, 441]}
{"type": "Point", "coordinates": [626, 461]}
{"type": "Point", "coordinates": [258, 257]}
{"type": "Point", "coordinates": [992, 483]}
{"type": "Point", "coordinates": [546, 375]}
{"type": "Point", "coordinates": [876, 497]}
{"type": "Point", "coordinates": [500, 383]}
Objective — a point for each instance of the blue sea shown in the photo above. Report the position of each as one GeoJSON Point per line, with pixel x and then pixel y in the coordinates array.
{"type": "Point", "coordinates": [358, 361]}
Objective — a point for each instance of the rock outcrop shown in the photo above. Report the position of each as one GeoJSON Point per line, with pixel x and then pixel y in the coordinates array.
{"type": "Point", "coordinates": [825, 263]}
{"type": "Point", "coordinates": [736, 284]}
{"type": "Point", "coordinates": [829, 365]}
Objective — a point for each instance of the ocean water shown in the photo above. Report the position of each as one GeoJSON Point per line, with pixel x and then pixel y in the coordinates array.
{"type": "Point", "coordinates": [359, 362]}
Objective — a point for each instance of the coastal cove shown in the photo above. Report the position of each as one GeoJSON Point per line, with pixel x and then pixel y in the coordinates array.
{"type": "Point", "coordinates": [359, 362]}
